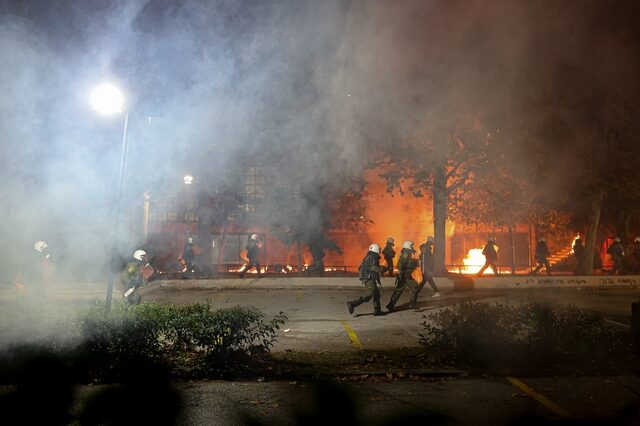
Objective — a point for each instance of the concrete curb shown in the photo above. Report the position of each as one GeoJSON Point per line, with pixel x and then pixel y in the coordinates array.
{"type": "Point", "coordinates": [453, 282]}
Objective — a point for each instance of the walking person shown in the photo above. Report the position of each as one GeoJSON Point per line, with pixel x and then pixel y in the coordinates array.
{"type": "Point", "coordinates": [389, 253]}
{"type": "Point", "coordinates": [406, 265]}
{"type": "Point", "coordinates": [253, 250]}
{"type": "Point", "coordinates": [427, 266]}
{"type": "Point", "coordinates": [578, 253]}
{"type": "Point", "coordinates": [490, 253]}
{"type": "Point", "coordinates": [616, 251]}
{"type": "Point", "coordinates": [36, 272]}
{"type": "Point", "coordinates": [133, 278]}
{"type": "Point", "coordinates": [370, 272]}
{"type": "Point", "coordinates": [542, 257]}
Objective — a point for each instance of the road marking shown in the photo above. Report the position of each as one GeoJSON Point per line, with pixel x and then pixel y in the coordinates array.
{"type": "Point", "coordinates": [352, 335]}
{"type": "Point", "coordinates": [538, 397]}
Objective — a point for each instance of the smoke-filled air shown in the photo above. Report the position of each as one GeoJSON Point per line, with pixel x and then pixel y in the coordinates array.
{"type": "Point", "coordinates": [350, 107]}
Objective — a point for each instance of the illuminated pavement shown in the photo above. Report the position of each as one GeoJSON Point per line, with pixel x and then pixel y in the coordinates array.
{"type": "Point", "coordinates": [316, 307]}
{"type": "Point", "coordinates": [319, 321]}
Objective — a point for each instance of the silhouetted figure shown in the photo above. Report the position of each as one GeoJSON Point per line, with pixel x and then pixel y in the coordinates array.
{"type": "Point", "coordinates": [253, 250]}
{"type": "Point", "coordinates": [542, 257]}
{"type": "Point", "coordinates": [578, 252]}
{"type": "Point", "coordinates": [490, 253]}
{"type": "Point", "coordinates": [427, 266]}
{"type": "Point", "coordinates": [635, 255]}
{"type": "Point", "coordinates": [616, 251]}
{"type": "Point", "coordinates": [188, 254]}
{"type": "Point", "coordinates": [389, 253]}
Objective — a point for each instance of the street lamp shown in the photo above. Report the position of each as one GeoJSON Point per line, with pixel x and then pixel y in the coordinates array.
{"type": "Point", "coordinates": [108, 99]}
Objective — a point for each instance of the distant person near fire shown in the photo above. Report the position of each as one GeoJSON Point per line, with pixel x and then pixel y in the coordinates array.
{"type": "Point", "coordinates": [253, 250]}
{"type": "Point", "coordinates": [406, 265]}
{"type": "Point", "coordinates": [188, 254]}
{"type": "Point", "coordinates": [427, 266]}
{"type": "Point", "coordinates": [36, 272]}
{"type": "Point", "coordinates": [133, 278]}
{"type": "Point", "coordinates": [369, 273]}
{"type": "Point", "coordinates": [578, 253]}
{"type": "Point", "coordinates": [616, 251]}
{"type": "Point", "coordinates": [490, 253]}
{"type": "Point", "coordinates": [542, 257]}
{"type": "Point", "coordinates": [389, 253]}
{"type": "Point", "coordinates": [635, 255]}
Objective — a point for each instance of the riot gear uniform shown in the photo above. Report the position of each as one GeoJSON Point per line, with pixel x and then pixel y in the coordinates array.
{"type": "Point", "coordinates": [389, 253]}
{"type": "Point", "coordinates": [132, 277]}
{"type": "Point", "coordinates": [406, 266]}
{"type": "Point", "coordinates": [369, 274]}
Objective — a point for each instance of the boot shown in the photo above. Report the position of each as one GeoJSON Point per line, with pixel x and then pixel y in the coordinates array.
{"type": "Point", "coordinates": [350, 307]}
{"type": "Point", "coordinates": [414, 301]}
{"type": "Point", "coordinates": [390, 307]}
{"type": "Point", "coordinates": [378, 313]}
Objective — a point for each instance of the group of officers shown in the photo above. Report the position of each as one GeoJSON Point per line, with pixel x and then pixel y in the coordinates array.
{"type": "Point", "coordinates": [371, 271]}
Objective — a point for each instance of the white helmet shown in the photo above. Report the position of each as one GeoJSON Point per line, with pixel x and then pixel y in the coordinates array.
{"type": "Point", "coordinates": [407, 245]}
{"type": "Point", "coordinates": [390, 240]}
{"type": "Point", "coordinates": [616, 239]}
{"type": "Point", "coordinates": [254, 237]}
{"type": "Point", "coordinates": [430, 239]}
{"type": "Point", "coordinates": [40, 246]}
{"type": "Point", "coordinates": [190, 240]}
{"type": "Point", "coordinates": [637, 240]}
{"type": "Point", "coordinates": [374, 248]}
{"type": "Point", "coordinates": [139, 255]}
{"type": "Point", "coordinates": [543, 240]}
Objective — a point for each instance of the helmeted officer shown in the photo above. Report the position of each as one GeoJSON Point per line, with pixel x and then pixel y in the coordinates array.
{"type": "Point", "coordinates": [578, 253]}
{"type": "Point", "coordinates": [370, 271]}
{"type": "Point", "coordinates": [427, 266]}
{"type": "Point", "coordinates": [635, 254]}
{"type": "Point", "coordinates": [406, 265]}
{"type": "Point", "coordinates": [253, 249]}
{"type": "Point", "coordinates": [132, 277]}
{"type": "Point", "coordinates": [490, 253]}
{"type": "Point", "coordinates": [36, 271]}
{"type": "Point", "coordinates": [616, 251]}
{"type": "Point", "coordinates": [542, 256]}
{"type": "Point", "coordinates": [188, 255]}
{"type": "Point", "coordinates": [389, 253]}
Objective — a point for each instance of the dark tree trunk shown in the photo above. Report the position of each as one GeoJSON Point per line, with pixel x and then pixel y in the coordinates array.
{"type": "Point", "coordinates": [594, 222]}
{"type": "Point", "coordinates": [439, 218]}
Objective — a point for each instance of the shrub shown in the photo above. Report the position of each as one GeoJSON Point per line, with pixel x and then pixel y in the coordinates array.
{"type": "Point", "coordinates": [189, 339]}
{"type": "Point", "coordinates": [521, 337]}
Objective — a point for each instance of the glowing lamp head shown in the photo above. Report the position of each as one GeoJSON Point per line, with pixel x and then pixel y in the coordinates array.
{"type": "Point", "coordinates": [107, 99]}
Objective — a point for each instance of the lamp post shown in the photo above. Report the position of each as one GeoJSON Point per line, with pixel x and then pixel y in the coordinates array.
{"type": "Point", "coordinates": [108, 99]}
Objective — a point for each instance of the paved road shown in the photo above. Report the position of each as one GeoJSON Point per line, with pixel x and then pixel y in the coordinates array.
{"type": "Point", "coordinates": [319, 321]}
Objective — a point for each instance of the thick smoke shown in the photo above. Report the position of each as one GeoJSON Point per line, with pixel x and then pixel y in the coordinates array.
{"type": "Point", "coordinates": [308, 88]}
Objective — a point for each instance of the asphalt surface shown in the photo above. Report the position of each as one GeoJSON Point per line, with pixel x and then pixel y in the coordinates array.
{"type": "Point", "coordinates": [318, 321]}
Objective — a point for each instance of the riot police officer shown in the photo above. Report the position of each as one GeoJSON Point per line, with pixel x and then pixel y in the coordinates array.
{"type": "Point", "coordinates": [542, 257]}
{"type": "Point", "coordinates": [389, 253]}
{"type": "Point", "coordinates": [406, 265]}
{"type": "Point", "coordinates": [427, 266]}
{"type": "Point", "coordinates": [490, 253]}
{"type": "Point", "coordinates": [370, 271]}
{"type": "Point", "coordinates": [253, 249]}
{"type": "Point", "coordinates": [132, 277]}
{"type": "Point", "coordinates": [616, 251]}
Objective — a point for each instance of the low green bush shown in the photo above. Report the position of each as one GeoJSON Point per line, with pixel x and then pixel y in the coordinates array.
{"type": "Point", "coordinates": [189, 340]}
{"type": "Point", "coordinates": [531, 337]}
